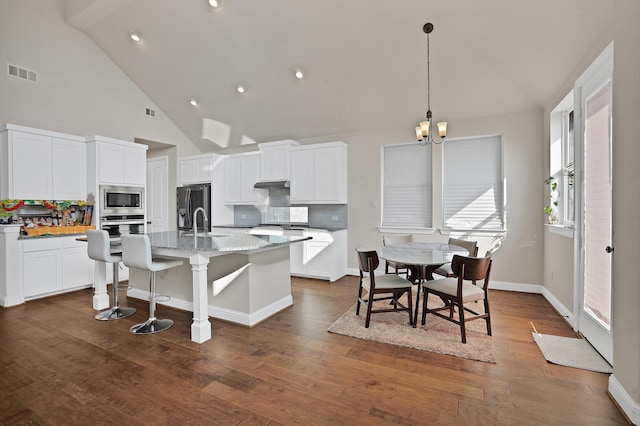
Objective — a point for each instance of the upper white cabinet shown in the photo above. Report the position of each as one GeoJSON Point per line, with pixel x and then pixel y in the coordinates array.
{"type": "Point", "coordinates": [69, 169]}
{"type": "Point", "coordinates": [41, 165]}
{"type": "Point", "coordinates": [319, 174]}
{"type": "Point", "coordinates": [275, 160]}
{"type": "Point", "coordinates": [197, 168]}
{"type": "Point", "coordinates": [241, 172]}
{"type": "Point", "coordinates": [117, 162]}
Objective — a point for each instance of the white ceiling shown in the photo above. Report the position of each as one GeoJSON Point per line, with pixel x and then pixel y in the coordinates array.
{"type": "Point", "coordinates": [364, 60]}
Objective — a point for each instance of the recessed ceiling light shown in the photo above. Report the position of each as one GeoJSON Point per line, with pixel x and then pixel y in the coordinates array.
{"type": "Point", "coordinates": [193, 102]}
{"type": "Point", "coordinates": [135, 37]}
{"type": "Point", "coordinates": [240, 89]}
{"type": "Point", "coordinates": [299, 74]}
{"type": "Point", "coordinates": [214, 3]}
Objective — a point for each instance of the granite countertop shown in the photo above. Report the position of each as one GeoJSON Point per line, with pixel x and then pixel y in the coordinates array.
{"type": "Point", "coordinates": [212, 242]}
{"type": "Point", "coordinates": [292, 225]}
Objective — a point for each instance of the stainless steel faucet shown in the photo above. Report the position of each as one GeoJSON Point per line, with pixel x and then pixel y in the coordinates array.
{"type": "Point", "coordinates": [195, 223]}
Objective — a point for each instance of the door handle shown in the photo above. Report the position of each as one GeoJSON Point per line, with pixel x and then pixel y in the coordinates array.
{"type": "Point", "coordinates": [609, 249]}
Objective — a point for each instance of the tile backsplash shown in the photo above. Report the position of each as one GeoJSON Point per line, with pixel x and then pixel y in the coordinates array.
{"type": "Point", "coordinates": [279, 210]}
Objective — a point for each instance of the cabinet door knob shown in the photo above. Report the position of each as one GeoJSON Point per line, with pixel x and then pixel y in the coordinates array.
{"type": "Point", "coordinates": [608, 249]}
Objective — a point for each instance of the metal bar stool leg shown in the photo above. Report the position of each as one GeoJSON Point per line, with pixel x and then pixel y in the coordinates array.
{"type": "Point", "coordinates": [152, 325]}
{"type": "Point", "coordinates": [116, 312]}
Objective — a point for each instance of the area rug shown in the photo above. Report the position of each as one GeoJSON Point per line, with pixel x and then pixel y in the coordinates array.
{"type": "Point", "coordinates": [438, 335]}
{"type": "Point", "coordinates": [571, 352]}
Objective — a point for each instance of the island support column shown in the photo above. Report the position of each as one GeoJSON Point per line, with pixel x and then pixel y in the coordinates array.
{"type": "Point", "coordinates": [201, 327]}
{"type": "Point", "coordinates": [100, 295]}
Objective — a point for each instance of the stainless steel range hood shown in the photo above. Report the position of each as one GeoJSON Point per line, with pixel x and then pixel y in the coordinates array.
{"type": "Point", "coordinates": [273, 184]}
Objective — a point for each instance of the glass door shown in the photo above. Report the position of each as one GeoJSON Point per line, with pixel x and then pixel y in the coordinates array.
{"type": "Point", "coordinates": [596, 252]}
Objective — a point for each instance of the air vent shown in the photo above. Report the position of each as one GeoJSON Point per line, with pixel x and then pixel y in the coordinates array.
{"type": "Point", "coordinates": [150, 112]}
{"type": "Point", "coordinates": [23, 73]}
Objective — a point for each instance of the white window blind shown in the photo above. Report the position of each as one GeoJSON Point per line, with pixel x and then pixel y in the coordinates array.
{"type": "Point", "coordinates": [407, 187]}
{"type": "Point", "coordinates": [473, 184]}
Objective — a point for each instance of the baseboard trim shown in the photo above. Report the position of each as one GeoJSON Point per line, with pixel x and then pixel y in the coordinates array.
{"type": "Point", "coordinates": [237, 317]}
{"type": "Point", "coordinates": [626, 403]}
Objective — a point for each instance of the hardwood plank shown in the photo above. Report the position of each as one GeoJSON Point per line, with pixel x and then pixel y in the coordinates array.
{"type": "Point", "coordinates": [60, 366]}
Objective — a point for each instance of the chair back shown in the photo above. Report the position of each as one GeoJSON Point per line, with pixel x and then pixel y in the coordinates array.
{"type": "Point", "coordinates": [394, 239]}
{"type": "Point", "coordinates": [368, 260]}
{"type": "Point", "coordinates": [472, 268]}
{"type": "Point", "coordinates": [136, 252]}
{"type": "Point", "coordinates": [470, 246]}
{"type": "Point", "coordinates": [99, 246]}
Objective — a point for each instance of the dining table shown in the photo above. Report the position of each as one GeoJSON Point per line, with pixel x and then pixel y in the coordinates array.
{"type": "Point", "coordinates": [421, 259]}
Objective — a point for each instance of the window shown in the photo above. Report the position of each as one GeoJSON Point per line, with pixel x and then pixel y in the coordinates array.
{"type": "Point", "coordinates": [407, 186]}
{"type": "Point", "coordinates": [473, 184]}
{"type": "Point", "coordinates": [561, 159]}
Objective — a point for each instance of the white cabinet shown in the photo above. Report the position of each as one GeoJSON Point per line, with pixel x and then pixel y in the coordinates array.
{"type": "Point", "coordinates": [324, 256]}
{"type": "Point", "coordinates": [77, 267]}
{"type": "Point", "coordinates": [42, 266]}
{"type": "Point", "coordinates": [197, 169]}
{"type": "Point", "coordinates": [53, 265]}
{"type": "Point", "coordinates": [41, 165]}
{"type": "Point", "coordinates": [275, 160]}
{"type": "Point", "coordinates": [241, 172]}
{"type": "Point", "coordinates": [117, 162]}
{"type": "Point", "coordinates": [69, 170]}
{"type": "Point", "coordinates": [319, 174]}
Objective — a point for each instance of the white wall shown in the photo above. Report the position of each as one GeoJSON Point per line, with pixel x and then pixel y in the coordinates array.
{"type": "Point", "coordinates": [79, 90]}
{"type": "Point", "coordinates": [626, 207]}
{"type": "Point", "coordinates": [518, 257]}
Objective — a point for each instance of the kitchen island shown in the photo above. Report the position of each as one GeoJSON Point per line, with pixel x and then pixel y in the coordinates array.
{"type": "Point", "coordinates": [248, 276]}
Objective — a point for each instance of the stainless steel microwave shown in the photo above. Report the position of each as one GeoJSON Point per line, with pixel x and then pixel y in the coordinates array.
{"type": "Point", "coordinates": [120, 200]}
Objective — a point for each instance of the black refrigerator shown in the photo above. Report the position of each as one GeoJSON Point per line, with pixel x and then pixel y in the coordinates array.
{"type": "Point", "coordinates": [189, 198]}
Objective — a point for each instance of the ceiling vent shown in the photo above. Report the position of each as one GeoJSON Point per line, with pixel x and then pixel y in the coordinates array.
{"type": "Point", "coordinates": [150, 112]}
{"type": "Point", "coordinates": [23, 73]}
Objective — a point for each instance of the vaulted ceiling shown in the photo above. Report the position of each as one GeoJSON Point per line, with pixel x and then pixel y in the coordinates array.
{"type": "Point", "coordinates": [364, 61]}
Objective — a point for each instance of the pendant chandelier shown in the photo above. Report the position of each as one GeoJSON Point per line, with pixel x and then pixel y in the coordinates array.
{"type": "Point", "coordinates": [424, 132]}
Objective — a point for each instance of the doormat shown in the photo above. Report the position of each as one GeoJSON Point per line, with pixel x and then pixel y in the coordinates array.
{"type": "Point", "coordinates": [571, 352]}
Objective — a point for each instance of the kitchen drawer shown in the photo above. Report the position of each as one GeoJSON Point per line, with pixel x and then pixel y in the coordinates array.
{"type": "Point", "coordinates": [71, 242]}
{"type": "Point", "coordinates": [41, 244]}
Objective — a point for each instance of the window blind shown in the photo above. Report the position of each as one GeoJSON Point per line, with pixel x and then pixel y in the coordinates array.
{"type": "Point", "coordinates": [407, 186]}
{"type": "Point", "coordinates": [473, 184]}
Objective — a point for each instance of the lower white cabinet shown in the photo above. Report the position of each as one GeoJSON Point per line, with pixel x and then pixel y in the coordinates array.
{"type": "Point", "coordinates": [53, 265]}
{"type": "Point", "coordinates": [77, 267]}
{"type": "Point", "coordinates": [324, 256]}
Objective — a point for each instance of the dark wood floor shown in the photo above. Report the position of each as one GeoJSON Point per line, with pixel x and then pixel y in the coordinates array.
{"type": "Point", "coordinates": [59, 366]}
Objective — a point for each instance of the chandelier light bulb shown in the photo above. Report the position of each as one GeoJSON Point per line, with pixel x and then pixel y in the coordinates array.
{"type": "Point", "coordinates": [299, 74]}
{"type": "Point", "coordinates": [135, 37]}
{"type": "Point", "coordinates": [240, 89]}
{"type": "Point", "coordinates": [193, 102]}
{"type": "Point", "coordinates": [214, 3]}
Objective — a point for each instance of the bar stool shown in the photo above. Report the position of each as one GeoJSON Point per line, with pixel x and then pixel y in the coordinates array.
{"type": "Point", "coordinates": [99, 248]}
{"type": "Point", "coordinates": [136, 253]}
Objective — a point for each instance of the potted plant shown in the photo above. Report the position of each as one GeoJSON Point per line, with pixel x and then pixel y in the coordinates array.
{"type": "Point", "coordinates": [551, 209]}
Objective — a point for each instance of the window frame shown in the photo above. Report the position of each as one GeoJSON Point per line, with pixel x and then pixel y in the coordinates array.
{"type": "Point", "coordinates": [562, 163]}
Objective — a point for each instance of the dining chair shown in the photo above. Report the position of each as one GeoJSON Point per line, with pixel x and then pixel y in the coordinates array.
{"type": "Point", "coordinates": [470, 284]}
{"type": "Point", "coordinates": [398, 268]}
{"type": "Point", "coordinates": [392, 285]}
{"type": "Point", "coordinates": [472, 248]}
